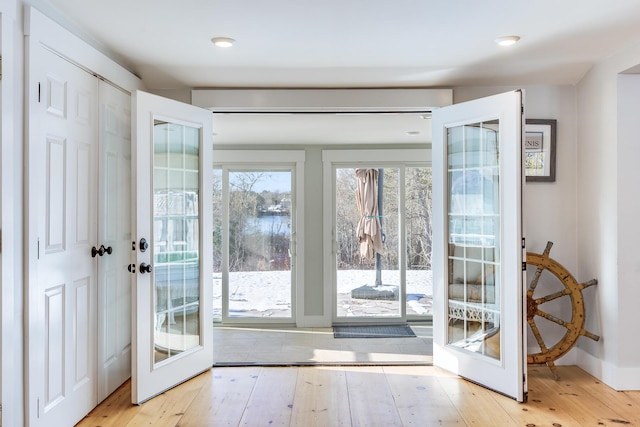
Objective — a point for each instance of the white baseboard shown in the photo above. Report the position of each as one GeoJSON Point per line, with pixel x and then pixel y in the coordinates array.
{"type": "Point", "coordinates": [618, 378]}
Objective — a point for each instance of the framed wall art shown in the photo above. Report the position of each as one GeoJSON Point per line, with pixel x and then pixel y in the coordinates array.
{"type": "Point", "coordinates": [540, 150]}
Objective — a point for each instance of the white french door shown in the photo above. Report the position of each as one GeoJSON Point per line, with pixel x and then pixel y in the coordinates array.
{"type": "Point", "coordinates": [478, 254]}
{"type": "Point", "coordinates": [172, 240]}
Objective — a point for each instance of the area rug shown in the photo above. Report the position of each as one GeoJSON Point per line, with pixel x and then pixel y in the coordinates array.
{"type": "Point", "coordinates": [381, 331]}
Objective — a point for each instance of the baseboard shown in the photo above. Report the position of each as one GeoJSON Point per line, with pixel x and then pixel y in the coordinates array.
{"type": "Point", "coordinates": [618, 378]}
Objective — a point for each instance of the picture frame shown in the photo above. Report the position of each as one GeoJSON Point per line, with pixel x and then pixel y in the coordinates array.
{"type": "Point", "coordinates": [539, 150]}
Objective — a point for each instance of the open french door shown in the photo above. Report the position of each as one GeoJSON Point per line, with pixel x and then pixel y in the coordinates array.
{"type": "Point", "coordinates": [478, 310]}
{"type": "Point", "coordinates": [172, 265]}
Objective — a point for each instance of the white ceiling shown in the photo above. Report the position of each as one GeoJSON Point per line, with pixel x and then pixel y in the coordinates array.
{"type": "Point", "coordinates": [353, 43]}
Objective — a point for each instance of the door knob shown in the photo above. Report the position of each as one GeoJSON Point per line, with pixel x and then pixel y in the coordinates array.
{"type": "Point", "coordinates": [145, 268]}
{"type": "Point", "coordinates": [101, 251]}
{"type": "Point", "coordinates": [144, 245]}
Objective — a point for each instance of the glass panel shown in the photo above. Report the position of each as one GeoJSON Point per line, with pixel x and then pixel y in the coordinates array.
{"type": "Point", "coordinates": [474, 226]}
{"type": "Point", "coordinates": [217, 244]}
{"type": "Point", "coordinates": [176, 245]}
{"type": "Point", "coordinates": [418, 184]}
{"type": "Point", "coordinates": [260, 281]}
{"type": "Point", "coordinates": [368, 283]}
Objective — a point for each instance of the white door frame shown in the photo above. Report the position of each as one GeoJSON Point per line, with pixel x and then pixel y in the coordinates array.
{"type": "Point", "coordinates": [331, 159]}
{"type": "Point", "coordinates": [274, 158]}
{"type": "Point", "coordinates": [11, 246]}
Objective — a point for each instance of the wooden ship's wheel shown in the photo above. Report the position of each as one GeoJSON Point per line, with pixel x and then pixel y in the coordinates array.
{"type": "Point", "coordinates": [574, 327]}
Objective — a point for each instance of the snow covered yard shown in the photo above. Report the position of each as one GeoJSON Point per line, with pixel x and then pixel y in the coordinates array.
{"type": "Point", "coordinates": [267, 293]}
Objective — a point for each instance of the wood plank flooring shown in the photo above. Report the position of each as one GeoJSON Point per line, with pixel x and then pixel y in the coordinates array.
{"type": "Point", "coordinates": [369, 396]}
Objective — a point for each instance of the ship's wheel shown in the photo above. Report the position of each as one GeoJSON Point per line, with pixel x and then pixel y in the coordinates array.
{"type": "Point", "coordinates": [570, 288]}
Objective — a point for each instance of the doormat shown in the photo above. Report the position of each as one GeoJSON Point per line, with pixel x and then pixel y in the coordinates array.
{"type": "Point", "coordinates": [381, 331]}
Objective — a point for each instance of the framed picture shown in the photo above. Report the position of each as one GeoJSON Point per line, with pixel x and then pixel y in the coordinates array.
{"type": "Point", "coordinates": [540, 150]}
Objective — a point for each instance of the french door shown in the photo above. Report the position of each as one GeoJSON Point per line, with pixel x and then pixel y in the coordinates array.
{"type": "Point", "coordinates": [478, 247]}
{"type": "Point", "coordinates": [172, 244]}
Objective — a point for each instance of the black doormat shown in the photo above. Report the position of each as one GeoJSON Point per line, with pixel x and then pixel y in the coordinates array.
{"type": "Point", "coordinates": [381, 331]}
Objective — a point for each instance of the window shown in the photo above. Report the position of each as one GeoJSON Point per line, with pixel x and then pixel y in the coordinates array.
{"type": "Point", "coordinates": [391, 282]}
{"type": "Point", "coordinates": [255, 219]}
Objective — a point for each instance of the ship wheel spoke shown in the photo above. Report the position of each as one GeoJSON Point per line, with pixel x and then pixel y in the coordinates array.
{"type": "Point", "coordinates": [536, 333]}
{"type": "Point", "coordinates": [554, 319]}
{"type": "Point", "coordinates": [553, 296]}
{"type": "Point", "coordinates": [536, 278]}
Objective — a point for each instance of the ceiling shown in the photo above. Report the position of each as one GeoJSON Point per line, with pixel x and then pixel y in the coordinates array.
{"type": "Point", "coordinates": [354, 43]}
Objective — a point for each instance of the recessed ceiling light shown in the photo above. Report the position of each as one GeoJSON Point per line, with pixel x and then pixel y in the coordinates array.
{"type": "Point", "coordinates": [426, 116]}
{"type": "Point", "coordinates": [222, 41]}
{"type": "Point", "coordinates": [413, 132]}
{"type": "Point", "coordinates": [507, 40]}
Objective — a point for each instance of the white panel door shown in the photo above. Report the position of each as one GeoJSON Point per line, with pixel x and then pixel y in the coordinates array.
{"type": "Point", "coordinates": [172, 203]}
{"type": "Point", "coordinates": [114, 237]}
{"type": "Point", "coordinates": [478, 310]}
{"type": "Point", "coordinates": [62, 232]}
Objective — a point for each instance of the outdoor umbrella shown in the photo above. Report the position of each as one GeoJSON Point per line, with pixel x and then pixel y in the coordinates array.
{"type": "Point", "coordinates": [369, 229]}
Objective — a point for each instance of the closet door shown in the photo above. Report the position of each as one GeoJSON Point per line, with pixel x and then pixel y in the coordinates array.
{"type": "Point", "coordinates": [114, 237]}
{"type": "Point", "coordinates": [62, 234]}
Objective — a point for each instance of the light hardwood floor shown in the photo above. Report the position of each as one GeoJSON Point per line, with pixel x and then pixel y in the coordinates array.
{"type": "Point", "coordinates": [369, 396]}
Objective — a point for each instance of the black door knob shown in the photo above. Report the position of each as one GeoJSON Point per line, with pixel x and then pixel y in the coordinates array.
{"type": "Point", "coordinates": [144, 245]}
{"type": "Point", "coordinates": [145, 268]}
{"type": "Point", "coordinates": [95, 252]}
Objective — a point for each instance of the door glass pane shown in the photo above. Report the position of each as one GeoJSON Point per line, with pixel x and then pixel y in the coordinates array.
{"type": "Point", "coordinates": [418, 185]}
{"type": "Point", "coordinates": [367, 258]}
{"type": "Point", "coordinates": [474, 240]}
{"type": "Point", "coordinates": [218, 201]}
{"type": "Point", "coordinates": [176, 246]}
{"type": "Point", "coordinates": [260, 280]}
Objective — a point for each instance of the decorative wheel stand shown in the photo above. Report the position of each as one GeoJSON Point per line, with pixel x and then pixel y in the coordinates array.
{"type": "Point", "coordinates": [574, 327]}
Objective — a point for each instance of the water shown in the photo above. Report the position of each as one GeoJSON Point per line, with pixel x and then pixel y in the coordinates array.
{"type": "Point", "coordinates": [270, 224]}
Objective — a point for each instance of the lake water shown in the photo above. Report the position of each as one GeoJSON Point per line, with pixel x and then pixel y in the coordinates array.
{"type": "Point", "coordinates": [270, 224]}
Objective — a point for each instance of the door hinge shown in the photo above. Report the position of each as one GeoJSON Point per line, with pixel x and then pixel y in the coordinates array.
{"type": "Point", "coordinates": [524, 266]}
{"type": "Point", "coordinates": [524, 243]}
{"type": "Point", "coordinates": [38, 248]}
{"type": "Point", "coordinates": [39, 91]}
{"type": "Point", "coordinates": [38, 407]}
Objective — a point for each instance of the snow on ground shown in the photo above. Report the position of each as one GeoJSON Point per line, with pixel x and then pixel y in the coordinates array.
{"type": "Point", "coordinates": [267, 293]}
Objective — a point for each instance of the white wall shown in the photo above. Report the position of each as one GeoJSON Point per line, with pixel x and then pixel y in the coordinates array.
{"type": "Point", "coordinates": [607, 192]}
